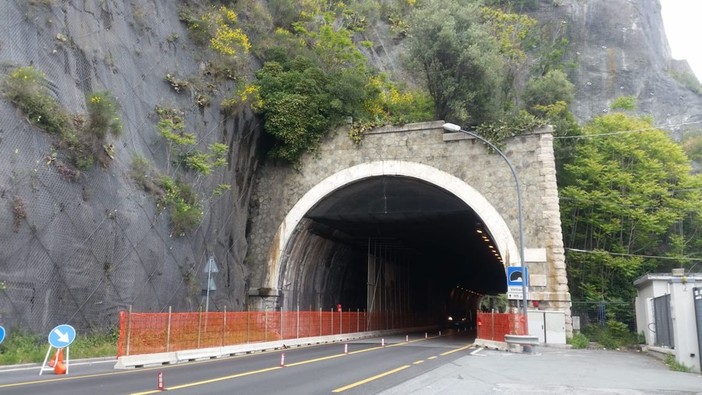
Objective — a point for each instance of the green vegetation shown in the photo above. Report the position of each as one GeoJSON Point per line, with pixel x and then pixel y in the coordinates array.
{"type": "Point", "coordinates": [497, 303]}
{"type": "Point", "coordinates": [579, 340]}
{"type": "Point", "coordinates": [25, 88]}
{"type": "Point", "coordinates": [315, 78]}
{"type": "Point", "coordinates": [542, 91]}
{"type": "Point", "coordinates": [465, 71]}
{"type": "Point", "coordinates": [176, 196]}
{"type": "Point", "coordinates": [693, 147]}
{"type": "Point", "coordinates": [614, 335]}
{"type": "Point", "coordinates": [676, 366]}
{"type": "Point", "coordinates": [102, 115]}
{"type": "Point", "coordinates": [171, 126]}
{"type": "Point", "coordinates": [82, 140]}
{"type": "Point", "coordinates": [689, 81]}
{"type": "Point", "coordinates": [626, 103]}
{"type": "Point", "coordinates": [182, 203]}
{"type": "Point", "coordinates": [627, 196]}
{"type": "Point", "coordinates": [219, 30]}
{"type": "Point", "coordinates": [21, 347]}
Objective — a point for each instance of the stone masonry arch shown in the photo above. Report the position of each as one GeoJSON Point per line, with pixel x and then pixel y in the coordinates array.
{"type": "Point", "coordinates": [505, 242]}
{"type": "Point", "coordinates": [453, 162]}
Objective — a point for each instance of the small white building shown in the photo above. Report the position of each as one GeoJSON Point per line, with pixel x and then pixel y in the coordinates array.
{"type": "Point", "coordinates": [669, 314]}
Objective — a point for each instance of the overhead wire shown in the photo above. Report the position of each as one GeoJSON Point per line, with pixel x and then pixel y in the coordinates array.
{"type": "Point", "coordinates": [584, 136]}
{"type": "Point", "coordinates": [635, 255]}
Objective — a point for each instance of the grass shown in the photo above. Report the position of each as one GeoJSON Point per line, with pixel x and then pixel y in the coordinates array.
{"type": "Point", "coordinates": [615, 335]}
{"type": "Point", "coordinates": [22, 347]}
{"type": "Point", "coordinates": [674, 365]}
{"type": "Point", "coordinates": [81, 138]}
{"type": "Point", "coordinates": [579, 341]}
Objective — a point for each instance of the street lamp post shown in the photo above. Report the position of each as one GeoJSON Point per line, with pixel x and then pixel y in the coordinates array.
{"type": "Point", "coordinates": [455, 128]}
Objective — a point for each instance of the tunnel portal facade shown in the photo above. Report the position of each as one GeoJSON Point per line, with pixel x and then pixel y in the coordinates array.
{"type": "Point", "coordinates": [411, 219]}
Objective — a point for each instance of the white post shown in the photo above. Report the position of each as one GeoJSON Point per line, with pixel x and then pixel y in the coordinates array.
{"type": "Point", "coordinates": [168, 331]}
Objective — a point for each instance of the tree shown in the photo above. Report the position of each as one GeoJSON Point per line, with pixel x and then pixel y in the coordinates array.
{"type": "Point", "coordinates": [464, 70]}
{"type": "Point", "coordinates": [625, 196]}
{"type": "Point", "coordinates": [548, 89]}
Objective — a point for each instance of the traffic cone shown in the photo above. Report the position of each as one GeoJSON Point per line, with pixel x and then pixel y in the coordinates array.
{"type": "Point", "coordinates": [57, 358]}
{"type": "Point", "coordinates": [60, 368]}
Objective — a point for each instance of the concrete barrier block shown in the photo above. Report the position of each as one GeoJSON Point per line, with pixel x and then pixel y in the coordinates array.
{"type": "Point", "coordinates": [198, 354]}
{"type": "Point", "coordinates": [146, 360]}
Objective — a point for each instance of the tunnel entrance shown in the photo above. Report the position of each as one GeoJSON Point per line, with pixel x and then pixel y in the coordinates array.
{"type": "Point", "coordinates": [391, 243]}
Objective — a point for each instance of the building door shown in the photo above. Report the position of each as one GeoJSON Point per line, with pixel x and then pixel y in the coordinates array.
{"type": "Point", "coordinates": [697, 294]}
{"type": "Point", "coordinates": [663, 321]}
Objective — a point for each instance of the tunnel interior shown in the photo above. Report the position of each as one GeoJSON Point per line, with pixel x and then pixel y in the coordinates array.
{"type": "Point", "coordinates": [392, 243]}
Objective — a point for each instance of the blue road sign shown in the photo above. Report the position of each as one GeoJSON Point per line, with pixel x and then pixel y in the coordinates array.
{"type": "Point", "coordinates": [2, 334]}
{"type": "Point", "coordinates": [516, 275]}
{"type": "Point", "coordinates": [62, 336]}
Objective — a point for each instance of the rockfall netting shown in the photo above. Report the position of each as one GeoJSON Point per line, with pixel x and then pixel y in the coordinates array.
{"type": "Point", "coordinates": [79, 251]}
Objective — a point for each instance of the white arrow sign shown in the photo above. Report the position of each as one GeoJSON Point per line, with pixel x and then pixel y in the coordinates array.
{"type": "Point", "coordinates": [62, 337]}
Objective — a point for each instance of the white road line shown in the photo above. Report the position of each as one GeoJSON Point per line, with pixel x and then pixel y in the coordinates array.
{"type": "Point", "coordinates": [35, 367]}
{"type": "Point", "coordinates": [477, 350]}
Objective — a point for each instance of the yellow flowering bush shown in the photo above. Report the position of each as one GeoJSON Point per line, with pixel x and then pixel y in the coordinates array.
{"type": "Point", "coordinates": [227, 39]}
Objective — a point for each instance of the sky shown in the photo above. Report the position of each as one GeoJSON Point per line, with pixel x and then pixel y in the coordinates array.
{"type": "Point", "coordinates": [682, 20]}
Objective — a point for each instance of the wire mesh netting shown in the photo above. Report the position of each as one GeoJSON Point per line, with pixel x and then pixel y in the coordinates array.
{"type": "Point", "coordinates": [80, 249]}
{"type": "Point", "coordinates": [589, 314]}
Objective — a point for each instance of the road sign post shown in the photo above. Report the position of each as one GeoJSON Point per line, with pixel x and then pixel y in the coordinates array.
{"type": "Point", "coordinates": [517, 282]}
{"type": "Point", "coordinates": [60, 337]}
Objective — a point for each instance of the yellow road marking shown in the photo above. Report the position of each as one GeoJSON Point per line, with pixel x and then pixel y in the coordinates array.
{"type": "Point", "coordinates": [314, 360]}
{"type": "Point", "coordinates": [361, 382]}
{"type": "Point", "coordinates": [60, 379]}
{"type": "Point", "coordinates": [456, 350]}
{"type": "Point", "coordinates": [233, 376]}
{"type": "Point", "coordinates": [217, 379]}
{"type": "Point", "coordinates": [356, 384]}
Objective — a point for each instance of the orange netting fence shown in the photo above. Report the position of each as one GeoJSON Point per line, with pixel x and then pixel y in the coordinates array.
{"type": "Point", "coordinates": [146, 333]}
{"type": "Point", "coordinates": [494, 326]}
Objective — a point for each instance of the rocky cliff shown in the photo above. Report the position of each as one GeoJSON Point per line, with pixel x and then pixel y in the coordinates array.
{"type": "Point", "coordinates": [619, 48]}
{"type": "Point", "coordinates": [79, 249]}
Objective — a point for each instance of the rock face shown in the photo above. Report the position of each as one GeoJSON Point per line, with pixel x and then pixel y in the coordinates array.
{"type": "Point", "coordinates": [86, 249]}
{"type": "Point", "coordinates": [80, 251]}
{"type": "Point", "coordinates": [619, 48]}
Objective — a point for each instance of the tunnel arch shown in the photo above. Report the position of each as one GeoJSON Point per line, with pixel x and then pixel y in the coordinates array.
{"type": "Point", "coordinates": [490, 217]}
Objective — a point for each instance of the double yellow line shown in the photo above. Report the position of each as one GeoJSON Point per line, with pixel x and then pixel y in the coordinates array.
{"type": "Point", "coordinates": [337, 390]}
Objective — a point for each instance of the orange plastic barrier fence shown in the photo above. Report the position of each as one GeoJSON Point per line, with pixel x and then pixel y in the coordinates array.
{"type": "Point", "coordinates": [146, 333]}
{"type": "Point", "coordinates": [494, 326]}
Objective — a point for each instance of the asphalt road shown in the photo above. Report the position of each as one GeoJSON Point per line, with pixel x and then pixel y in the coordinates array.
{"type": "Point", "coordinates": [366, 368]}
{"type": "Point", "coordinates": [551, 371]}
{"type": "Point", "coordinates": [437, 365]}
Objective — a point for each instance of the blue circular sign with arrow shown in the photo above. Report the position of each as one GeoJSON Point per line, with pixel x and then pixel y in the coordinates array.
{"type": "Point", "coordinates": [62, 336]}
{"type": "Point", "coordinates": [2, 334]}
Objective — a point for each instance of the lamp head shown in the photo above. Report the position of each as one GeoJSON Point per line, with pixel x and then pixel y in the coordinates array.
{"type": "Point", "coordinates": [451, 127]}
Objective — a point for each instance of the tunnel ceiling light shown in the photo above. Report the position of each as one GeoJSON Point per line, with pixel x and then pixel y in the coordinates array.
{"type": "Point", "coordinates": [479, 230]}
